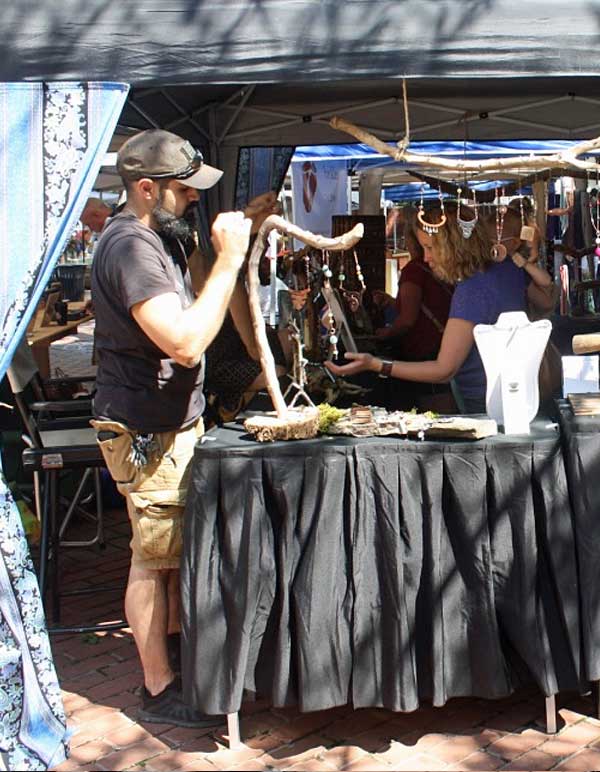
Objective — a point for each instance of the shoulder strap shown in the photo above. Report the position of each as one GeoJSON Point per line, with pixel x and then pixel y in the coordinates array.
{"type": "Point", "coordinates": [431, 316]}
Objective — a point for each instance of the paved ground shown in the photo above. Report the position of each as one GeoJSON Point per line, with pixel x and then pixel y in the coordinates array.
{"type": "Point", "coordinates": [100, 678]}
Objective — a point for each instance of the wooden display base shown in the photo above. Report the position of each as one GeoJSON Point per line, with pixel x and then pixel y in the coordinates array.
{"type": "Point", "coordinates": [300, 423]}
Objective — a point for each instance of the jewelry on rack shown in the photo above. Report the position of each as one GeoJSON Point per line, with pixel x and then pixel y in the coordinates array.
{"type": "Point", "coordinates": [332, 334]}
{"type": "Point", "coordinates": [341, 274]}
{"type": "Point", "coordinates": [594, 204]}
{"type": "Point", "coordinates": [498, 250]}
{"type": "Point", "coordinates": [466, 226]}
{"type": "Point", "coordinates": [431, 227]}
{"type": "Point", "coordinates": [307, 268]}
{"type": "Point", "coordinates": [527, 231]}
{"type": "Point", "coordinates": [359, 274]}
{"type": "Point", "coordinates": [325, 266]}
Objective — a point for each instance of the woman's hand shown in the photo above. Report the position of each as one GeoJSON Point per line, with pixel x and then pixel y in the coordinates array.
{"type": "Point", "coordinates": [358, 363]}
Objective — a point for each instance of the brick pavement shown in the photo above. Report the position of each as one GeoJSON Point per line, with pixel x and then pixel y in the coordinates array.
{"type": "Point", "coordinates": [100, 678]}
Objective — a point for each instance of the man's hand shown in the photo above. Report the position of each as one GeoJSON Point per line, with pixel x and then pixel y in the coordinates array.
{"type": "Point", "coordinates": [230, 235]}
{"type": "Point", "coordinates": [260, 207]}
{"type": "Point", "coordinates": [358, 364]}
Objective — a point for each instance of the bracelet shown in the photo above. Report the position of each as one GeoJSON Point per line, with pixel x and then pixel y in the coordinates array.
{"type": "Point", "coordinates": [386, 368]}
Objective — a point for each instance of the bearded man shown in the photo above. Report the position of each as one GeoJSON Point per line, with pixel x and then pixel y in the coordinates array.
{"type": "Point", "coordinates": [151, 334]}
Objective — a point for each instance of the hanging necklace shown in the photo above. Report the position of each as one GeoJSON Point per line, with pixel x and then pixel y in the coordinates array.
{"type": "Point", "coordinates": [332, 349]}
{"type": "Point", "coordinates": [341, 274]}
{"type": "Point", "coordinates": [498, 250]}
{"type": "Point", "coordinates": [527, 231]}
{"type": "Point", "coordinates": [431, 227]}
{"type": "Point", "coordinates": [307, 268]}
{"type": "Point", "coordinates": [466, 226]}
{"type": "Point", "coordinates": [359, 274]}
{"type": "Point", "coordinates": [594, 205]}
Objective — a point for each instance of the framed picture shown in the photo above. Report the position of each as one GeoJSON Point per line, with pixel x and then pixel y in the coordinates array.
{"type": "Point", "coordinates": [49, 314]}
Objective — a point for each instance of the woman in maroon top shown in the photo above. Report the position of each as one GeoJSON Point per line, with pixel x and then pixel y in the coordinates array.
{"type": "Point", "coordinates": [422, 305]}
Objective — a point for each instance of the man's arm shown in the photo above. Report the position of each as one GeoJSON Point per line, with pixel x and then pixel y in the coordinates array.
{"type": "Point", "coordinates": [184, 335]}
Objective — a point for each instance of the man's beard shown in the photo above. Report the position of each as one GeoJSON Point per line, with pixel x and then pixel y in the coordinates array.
{"type": "Point", "coordinates": [169, 226]}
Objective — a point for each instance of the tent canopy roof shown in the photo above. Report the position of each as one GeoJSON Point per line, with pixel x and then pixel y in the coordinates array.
{"type": "Point", "coordinates": [228, 73]}
{"type": "Point", "coordinates": [243, 72]}
{"type": "Point", "coordinates": [162, 42]}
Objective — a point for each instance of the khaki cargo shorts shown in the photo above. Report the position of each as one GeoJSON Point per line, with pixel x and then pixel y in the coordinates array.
{"type": "Point", "coordinates": [155, 492]}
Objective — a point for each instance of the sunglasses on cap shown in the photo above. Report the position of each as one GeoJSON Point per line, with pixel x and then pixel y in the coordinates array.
{"type": "Point", "coordinates": [195, 161]}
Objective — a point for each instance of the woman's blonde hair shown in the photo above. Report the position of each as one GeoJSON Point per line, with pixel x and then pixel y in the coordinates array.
{"type": "Point", "coordinates": [411, 228]}
{"type": "Point", "coordinates": [457, 257]}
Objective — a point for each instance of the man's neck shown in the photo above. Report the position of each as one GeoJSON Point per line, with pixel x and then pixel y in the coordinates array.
{"type": "Point", "coordinates": [141, 213]}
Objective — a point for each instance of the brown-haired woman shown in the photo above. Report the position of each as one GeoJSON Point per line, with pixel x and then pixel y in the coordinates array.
{"type": "Point", "coordinates": [483, 290]}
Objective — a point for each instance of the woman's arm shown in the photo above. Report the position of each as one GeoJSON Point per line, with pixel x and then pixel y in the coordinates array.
{"type": "Point", "coordinates": [457, 342]}
{"type": "Point", "coordinates": [410, 296]}
{"type": "Point", "coordinates": [239, 308]}
{"type": "Point", "coordinates": [542, 293]}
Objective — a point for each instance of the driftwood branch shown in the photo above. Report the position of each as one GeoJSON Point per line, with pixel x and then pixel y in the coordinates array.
{"type": "Point", "coordinates": [566, 159]}
{"type": "Point", "coordinates": [274, 222]}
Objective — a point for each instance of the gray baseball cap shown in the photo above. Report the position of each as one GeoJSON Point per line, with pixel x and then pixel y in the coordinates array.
{"type": "Point", "coordinates": [159, 154]}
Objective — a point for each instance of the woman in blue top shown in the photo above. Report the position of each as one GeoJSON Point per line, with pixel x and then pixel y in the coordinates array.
{"type": "Point", "coordinates": [484, 289]}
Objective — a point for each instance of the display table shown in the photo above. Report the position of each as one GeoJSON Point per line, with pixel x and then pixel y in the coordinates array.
{"type": "Point", "coordinates": [40, 338]}
{"type": "Point", "coordinates": [581, 441]}
{"type": "Point", "coordinates": [377, 571]}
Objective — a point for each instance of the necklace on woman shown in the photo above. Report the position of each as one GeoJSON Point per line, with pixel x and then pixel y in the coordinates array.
{"type": "Point", "coordinates": [431, 227]}
{"type": "Point", "coordinates": [466, 226]}
{"type": "Point", "coordinates": [498, 250]}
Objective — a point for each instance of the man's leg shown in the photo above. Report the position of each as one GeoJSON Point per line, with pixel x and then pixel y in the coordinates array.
{"type": "Point", "coordinates": [174, 601]}
{"type": "Point", "coordinates": [147, 611]}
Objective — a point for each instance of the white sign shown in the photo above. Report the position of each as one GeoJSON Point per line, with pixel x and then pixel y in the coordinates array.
{"type": "Point", "coordinates": [580, 374]}
{"type": "Point", "coordinates": [319, 190]}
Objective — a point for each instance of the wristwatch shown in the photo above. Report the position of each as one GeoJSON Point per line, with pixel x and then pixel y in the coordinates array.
{"type": "Point", "coordinates": [386, 368]}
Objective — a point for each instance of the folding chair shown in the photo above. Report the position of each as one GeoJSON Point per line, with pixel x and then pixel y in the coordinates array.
{"type": "Point", "coordinates": [59, 439]}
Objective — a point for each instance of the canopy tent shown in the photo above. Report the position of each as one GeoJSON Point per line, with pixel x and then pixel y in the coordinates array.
{"type": "Point", "coordinates": [231, 74]}
{"type": "Point", "coordinates": [52, 138]}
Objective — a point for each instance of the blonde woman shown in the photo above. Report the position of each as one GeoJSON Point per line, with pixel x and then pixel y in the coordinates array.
{"type": "Point", "coordinates": [483, 290]}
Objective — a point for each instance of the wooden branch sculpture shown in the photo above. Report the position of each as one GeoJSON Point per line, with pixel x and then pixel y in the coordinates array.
{"type": "Point", "coordinates": [566, 159]}
{"type": "Point", "coordinates": [289, 423]}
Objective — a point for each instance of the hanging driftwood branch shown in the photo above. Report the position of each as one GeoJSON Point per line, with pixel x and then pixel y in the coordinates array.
{"type": "Point", "coordinates": [566, 159]}
{"type": "Point", "coordinates": [274, 222]}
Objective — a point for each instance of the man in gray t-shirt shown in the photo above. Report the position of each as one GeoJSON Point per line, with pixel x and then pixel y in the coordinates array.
{"type": "Point", "coordinates": [151, 334]}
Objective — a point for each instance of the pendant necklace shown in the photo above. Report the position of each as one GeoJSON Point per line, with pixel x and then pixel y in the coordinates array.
{"type": "Point", "coordinates": [466, 226]}
{"type": "Point", "coordinates": [594, 205]}
{"type": "Point", "coordinates": [332, 337]}
{"type": "Point", "coordinates": [431, 227]}
{"type": "Point", "coordinates": [498, 251]}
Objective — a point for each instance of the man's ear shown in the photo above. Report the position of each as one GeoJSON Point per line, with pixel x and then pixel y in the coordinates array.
{"type": "Point", "coordinates": [146, 188]}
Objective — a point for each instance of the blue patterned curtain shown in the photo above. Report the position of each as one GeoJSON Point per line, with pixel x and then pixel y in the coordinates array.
{"type": "Point", "coordinates": [53, 137]}
{"type": "Point", "coordinates": [260, 169]}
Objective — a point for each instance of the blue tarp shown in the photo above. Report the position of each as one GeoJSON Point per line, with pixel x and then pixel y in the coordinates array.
{"type": "Point", "coordinates": [361, 157]}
